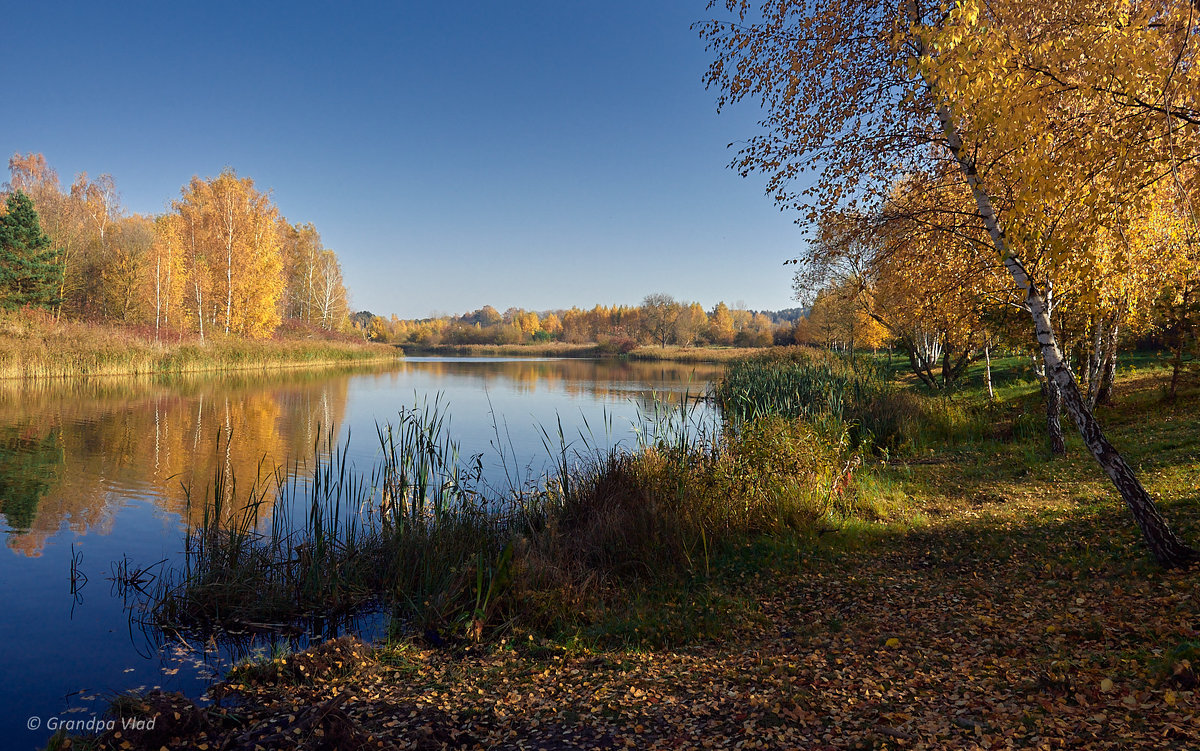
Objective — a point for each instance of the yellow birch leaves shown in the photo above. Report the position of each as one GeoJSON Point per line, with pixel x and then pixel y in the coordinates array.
{"type": "Point", "coordinates": [226, 238]}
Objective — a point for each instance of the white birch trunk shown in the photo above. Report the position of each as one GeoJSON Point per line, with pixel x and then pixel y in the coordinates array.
{"type": "Point", "coordinates": [1164, 545]}
{"type": "Point", "coordinates": [987, 370]}
{"type": "Point", "coordinates": [157, 292]}
{"type": "Point", "coordinates": [228, 265]}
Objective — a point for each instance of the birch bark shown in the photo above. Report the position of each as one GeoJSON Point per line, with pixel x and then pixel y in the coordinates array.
{"type": "Point", "coordinates": [1164, 545]}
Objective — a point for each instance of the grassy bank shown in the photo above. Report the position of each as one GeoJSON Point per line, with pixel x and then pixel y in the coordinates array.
{"type": "Point", "coordinates": [785, 581]}
{"type": "Point", "coordinates": [35, 347]}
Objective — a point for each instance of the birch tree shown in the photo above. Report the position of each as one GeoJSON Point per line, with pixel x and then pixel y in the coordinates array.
{"type": "Point", "coordinates": [1010, 95]}
{"type": "Point", "coordinates": [330, 303]}
{"type": "Point", "coordinates": [301, 255]}
{"type": "Point", "coordinates": [229, 239]}
{"type": "Point", "coordinates": [167, 276]}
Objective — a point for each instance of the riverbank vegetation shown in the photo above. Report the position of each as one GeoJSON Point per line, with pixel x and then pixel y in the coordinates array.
{"type": "Point", "coordinates": [949, 583]}
{"type": "Point", "coordinates": [464, 561]}
{"type": "Point", "coordinates": [670, 353]}
{"type": "Point", "coordinates": [33, 345]}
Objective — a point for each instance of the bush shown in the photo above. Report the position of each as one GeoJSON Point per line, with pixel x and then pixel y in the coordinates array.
{"type": "Point", "coordinates": [616, 345]}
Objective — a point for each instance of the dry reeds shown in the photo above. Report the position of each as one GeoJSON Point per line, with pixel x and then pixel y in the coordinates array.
{"type": "Point", "coordinates": [34, 346]}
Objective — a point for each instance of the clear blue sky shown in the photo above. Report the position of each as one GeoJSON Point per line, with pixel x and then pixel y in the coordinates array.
{"type": "Point", "coordinates": [531, 154]}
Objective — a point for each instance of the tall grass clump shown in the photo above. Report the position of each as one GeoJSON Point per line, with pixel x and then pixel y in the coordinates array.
{"type": "Point", "coordinates": [413, 535]}
{"type": "Point", "coordinates": [829, 390]}
{"type": "Point", "coordinates": [664, 509]}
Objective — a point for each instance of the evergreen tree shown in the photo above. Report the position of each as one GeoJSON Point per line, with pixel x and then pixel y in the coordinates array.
{"type": "Point", "coordinates": [30, 270]}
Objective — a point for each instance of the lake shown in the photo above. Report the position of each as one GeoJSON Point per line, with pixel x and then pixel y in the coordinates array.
{"type": "Point", "coordinates": [94, 473]}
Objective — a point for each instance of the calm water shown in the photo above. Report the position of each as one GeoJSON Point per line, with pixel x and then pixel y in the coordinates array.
{"type": "Point", "coordinates": [94, 472]}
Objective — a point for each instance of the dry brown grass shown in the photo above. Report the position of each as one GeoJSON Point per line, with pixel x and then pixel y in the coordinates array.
{"type": "Point", "coordinates": [34, 346]}
{"type": "Point", "coordinates": [694, 354]}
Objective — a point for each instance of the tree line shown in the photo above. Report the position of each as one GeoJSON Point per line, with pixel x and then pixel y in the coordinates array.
{"type": "Point", "coordinates": [222, 259]}
{"type": "Point", "coordinates": [660, 320]}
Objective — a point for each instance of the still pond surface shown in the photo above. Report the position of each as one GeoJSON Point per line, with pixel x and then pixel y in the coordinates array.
{"type": "Point", "coordinates": [92, 473]}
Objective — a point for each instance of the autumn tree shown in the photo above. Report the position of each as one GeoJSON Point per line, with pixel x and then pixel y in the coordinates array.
{"type": "Point", "coordinates": [691, 322]}
{"type": "Point", "coordinates": [331, 304]}
{"type": "Point", "coordinates": [552, 325]}
{"type": "Point", "coordinates": [575, 328]}
{"type": "Point", "coordinates": [1011, 95]}
{"type": "Point", "coordinates": [660, 313]}
{"type": "Point", "coordinates": [30, 267]}
{"type": "Point", "coordinates": [838, 319]}
{"type": "Point", "coordinates": [1166, 233]}
{"type": "Point", "coordinates": [228, 237]}
{"type": "Point", "coordinates": [870, 290]}
{"type": "Point", "coordinates": [931, 283]}
{"type": "Point", "coordinates": [720, 330]}
{"type": "Point", "coordinates": [97, 206]}
{"type": "Point", "coordinates": [529, 323]}
{"type": "Point", "coordinates": [301, 250]}
{"type": "Point", "coordinates": [123, 269]}
{"type": "Point", "coordinates": [165, 271]}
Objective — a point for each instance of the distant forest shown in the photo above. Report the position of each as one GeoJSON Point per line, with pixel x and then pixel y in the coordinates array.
{"type": "Point", "coordinates": [660, 320]}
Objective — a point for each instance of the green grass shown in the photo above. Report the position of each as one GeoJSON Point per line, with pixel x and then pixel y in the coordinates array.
{"type": "Point", "coordinates": [676, 353]}
{"type": "Point", "coordinates": [820, 387]}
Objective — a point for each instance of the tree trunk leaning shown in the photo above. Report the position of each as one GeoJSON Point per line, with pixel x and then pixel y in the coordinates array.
{"type": "Point", "coordinates": [1164, 545]}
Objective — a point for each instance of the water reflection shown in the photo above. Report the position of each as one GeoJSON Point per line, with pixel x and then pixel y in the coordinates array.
{"type": "Point", "coordinates": [598, 379]}
{"type": "Point", "coordinates": [72, 455]}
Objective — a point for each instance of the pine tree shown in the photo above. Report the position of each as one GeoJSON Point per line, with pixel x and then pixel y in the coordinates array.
{"type": "Point", "coordinates": [30, 270]}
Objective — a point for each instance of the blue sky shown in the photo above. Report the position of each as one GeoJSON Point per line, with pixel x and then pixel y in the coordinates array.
{"type": "Point", "coordinates": [530, 154]}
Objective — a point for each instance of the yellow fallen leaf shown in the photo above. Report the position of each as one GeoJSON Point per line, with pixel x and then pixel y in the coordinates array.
{"type": "Point", "coordinates": [892, 643]}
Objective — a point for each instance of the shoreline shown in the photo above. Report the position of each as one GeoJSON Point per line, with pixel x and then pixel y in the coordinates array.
{"type": "Point", "coordinates": [581, 351]}
{"type": "Point", "coordinates": [38, 351]}
{"type": "Point", "coordinates": [41, 379]}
